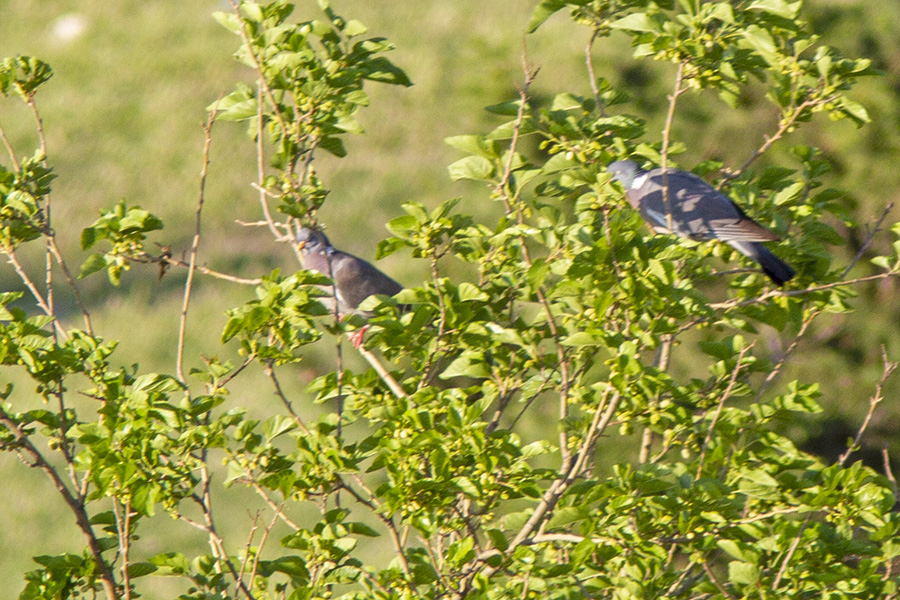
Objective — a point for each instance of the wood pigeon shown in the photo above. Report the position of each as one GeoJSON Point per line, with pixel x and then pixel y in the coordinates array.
{"type": "Point", "coordinates": [699, 212]}
{"type": "Point", "coordinates": [354, 278]}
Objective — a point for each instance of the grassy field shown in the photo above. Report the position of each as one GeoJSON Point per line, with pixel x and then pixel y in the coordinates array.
{"type": "Point", "coordinates": [123, 118]}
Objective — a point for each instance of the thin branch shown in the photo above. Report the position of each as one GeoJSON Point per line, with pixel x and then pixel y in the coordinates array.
{"type": "Point", "coordinates": [10, 252]}
{"type": "Point", "coordinates": [259, 547]}
{"type": "Point", "coordinates": [877, 397]}
{"type": "Point", "coordinates": [725, 395]}
{"type": "Point", "coordinates": [431, 362]}
{"type": "Point", "coordinates": [195, 246]}
{"type": "Point", "coordinates": [816, 288]}
{"type": "Point", "coordinates": [716, 582]}
{"type": "Point", "coordinates": [889, 473]}
{"type": "Point", "coordinates": [48, 274]}
{"type": "Point", "coordinates": [662, 363]}
{"type": "Point", "coordinates": [76, 504]}
{"type": "Point", "coordinates": [258, 68]}
{"type": "Point", "coordinates": [865, 245]}
{"type": "Point", "coordinates": [385, 375]}
{"type": "Point", "coordinates": [70, 280]}
{"type": "Point", "coordinates": [554, 492]}
{"type": "Point", "coordinates": [670, 117]}
{"type": "Point", "coordinates": [260, 159]}
{"type": "Point", "coordinates": [170, 261]}
{"type": "Point", "coordinates": [790, 553]}
{"type": "Point", "coordinates": [270, 372]}
{"type": "Point", "coordinates": [392, 531]}
{"type": "Point", "coordinates": [508, 199]}
{"type": "Point", "coordinates": [782, 130]}
{"type": "Point", "coordinates": [123, 524]}
{"type": "Point", "coordinates": [248, 546]}
{"type": "Point", "coordinates": [590, 69]}
{"type": "Point", "coordinates": [234, 373]}
{"type": "Point", "coordinates": [278, 509]}
{"type": "Point", "coordinates": [787, 353]}
{"type": "Point", "coordinates": [204, 501]}
{"type": "Point", "coordinates": [9, 149]}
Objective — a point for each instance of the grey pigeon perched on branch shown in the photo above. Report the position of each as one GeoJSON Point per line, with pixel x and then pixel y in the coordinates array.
{"type": "Point", "coordinates": [354, 278]}
{"type": "Point", "coordinates": [697, 211]}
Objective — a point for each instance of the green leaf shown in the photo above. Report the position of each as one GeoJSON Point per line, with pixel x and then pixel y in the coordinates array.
{"type": "Point", "coordinates": [471, 167]}
{"type": "Point", "coordinates": [780, 8]}
{"type": "Point", "coordinates": [382, 70]}
{"type": "Point", "coordinates": [723, 12]}
{"type": "Point", "coordinates": [251, 11]}
{"type": "Point", "coordinates": [468, 364]}
{"type": "Point", "coordinates": [228, 20]}
{"type": "Point", "coordinates": [507, 109]}
{"type": "Point", "coordinates": [333, 145]}
{"type": "Point", "coordinates": [354, 28]}
{"type": "Point", "coordinates": [731, 548]}
{"type": "Point", "coordinates": [94, 263]}
{"type": "Point", "coordinates": [139, 569]}
{"type": "Point", "coordinates": [580, 338]}
{"type": "Point", "coordinates": [462, 551]}
{"type": "Point", "coordinates": [743, 573]}
{"type": "Point", "coordinates": [542, 12]}
{"type": "Point", "coordinates": [473, 144]}
{"type": "Point", "coordinates": [468, 291]}
{"type": "Point", "coordinates": [636, 22]}
{"type": "Point", "coordinates": [761, 40]}
{"type": "Point", "coordinates": [856, 111]}
{"type": "Point", "coordinates": [498, 539]}
{"type": "Point", "coordinates": [404, 226]}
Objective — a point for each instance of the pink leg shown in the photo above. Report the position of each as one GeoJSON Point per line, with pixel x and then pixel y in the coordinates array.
{"type": "Point", "coordinates": [356, 338]}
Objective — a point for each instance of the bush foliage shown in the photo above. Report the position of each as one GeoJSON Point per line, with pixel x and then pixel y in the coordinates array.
{"type": "Point", "coordinates": [652, 465]}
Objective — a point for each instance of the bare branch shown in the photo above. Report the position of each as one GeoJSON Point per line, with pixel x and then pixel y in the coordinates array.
{"type": "Point", "coordinates": [385, 375]}
{"type": "Point", "coordinates": [889, 472]}
{"type": "Point", "coordinates": [70, 280]}
{"type": "Point", "coordinates": [170, 261]}
{"type": "Point", "coordinates": [868, 241]}
{"type": "Point", "coordinates": [10, 252]}
{"type": "Point", "coordinates": [786, 125]}
{"type": "Point", "coordinates": [716, 582]}
{"type": "Point", "coordinates": [877, 397]}
{"type": "Point", "coordinates": [195, 246]}
{"type": "Point", "coordinates": [260, 159]}
{"type": "Point", "coordinates": [270, 372]}
{"type": "Point", "coordinates": [670, 117]}
{"type": "Point", "coordinates": [590, 69]}
{"type": "Point", "coordinates": [9, 149]}
{"type": "Point", "coordinates": [790, 554]}
{"type": "Point", "coordinates": [787, 353]}
{"type": "Point", "coordinates": [815, 288]}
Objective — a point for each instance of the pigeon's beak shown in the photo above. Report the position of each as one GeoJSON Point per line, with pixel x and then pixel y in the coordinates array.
{"type": "Point", "coordinates": [301, 245]}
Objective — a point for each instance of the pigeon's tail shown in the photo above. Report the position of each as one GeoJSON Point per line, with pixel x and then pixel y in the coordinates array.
{"type": "Point", "coordinates": [777, 270]}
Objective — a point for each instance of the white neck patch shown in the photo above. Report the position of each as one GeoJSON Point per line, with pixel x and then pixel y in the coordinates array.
{"type": "Point", "coordinates": [639, 181]}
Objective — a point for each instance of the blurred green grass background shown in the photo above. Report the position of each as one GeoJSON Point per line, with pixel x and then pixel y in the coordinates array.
{"type": "Point", "coordinates": [123, 118]}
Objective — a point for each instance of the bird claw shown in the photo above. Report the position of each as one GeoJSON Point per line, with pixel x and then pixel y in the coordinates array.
{"type": "Point", "coordinates": [356, 338]}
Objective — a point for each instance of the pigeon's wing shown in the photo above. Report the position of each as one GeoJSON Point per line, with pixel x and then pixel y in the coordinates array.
{"type": "Point", "coordinates": [357, 279]}
{"type": "Point", "coordinates": [698, 210]}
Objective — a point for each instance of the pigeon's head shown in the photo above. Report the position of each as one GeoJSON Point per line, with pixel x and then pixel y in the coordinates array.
{"type": "Point", "coordinates": [625, 172]}
{"type": "Point", "coordinates": [313, 241]}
